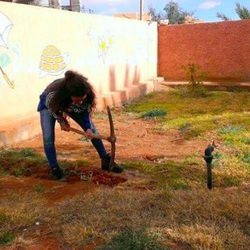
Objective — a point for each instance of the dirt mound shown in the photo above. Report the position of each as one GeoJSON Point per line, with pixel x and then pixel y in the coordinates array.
{"type": "Point", "coordinates": [94, 175]}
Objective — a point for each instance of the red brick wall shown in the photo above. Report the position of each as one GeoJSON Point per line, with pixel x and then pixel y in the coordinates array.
{"type": "Point", "coordinates": [222, 50]}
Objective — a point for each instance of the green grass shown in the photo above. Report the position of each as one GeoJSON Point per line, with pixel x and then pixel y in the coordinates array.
{"type": "Point", "coordinates": [191, 172]}
{"type": "Point", "coordinates": [222, 115]}
{"type": "Point", "coordinates": [39, 188]}
{"type": "Point", "coordinates": [153, 113]}
{"type": "Point", "coordinates": [179, 212]}
{"type": "Point", "coordinates": [200, 115]}
{"type": "Point", "coordinates": [176, 106]}
{"type": "Point", "coordinates": [175, 175]}
{"type": "Point", "coordinates": [134, 240]}
{"type": "Point", "coordinates": [27, 162]}
{"type": "Point", "coordinates": [194, 117]}
{"type": "Point", "coordinates": [6, 238]}
{"type": "Point", "coordinates": [20, 162]}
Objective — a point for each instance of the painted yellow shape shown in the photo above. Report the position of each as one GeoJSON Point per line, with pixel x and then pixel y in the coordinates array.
{"type": "Point", "coordinates": [52, 60]}
{"type": "Point", "coordinates": [110, 41]}
{"type": "Point", "coordinates": [103, 46]}
{"type": "Point", "coordinates": [51, 50]}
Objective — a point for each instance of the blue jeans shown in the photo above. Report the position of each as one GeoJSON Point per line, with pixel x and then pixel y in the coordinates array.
{"type": "Point", "coordinates": [48, 130]}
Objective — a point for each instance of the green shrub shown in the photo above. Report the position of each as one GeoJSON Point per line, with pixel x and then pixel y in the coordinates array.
{"type": "Point", "coordinates": [6, 238]}
{"type": "Point", "coordinates": [195, 79]}
{"type": "Point", "coordinates": [39, 188]}
{"type": "Point", "coordinates": [246, 158]}
{"type": "Point", "coordinates": [154, 113]}
{"type": "Point", "coordinates": [230, 129]}
{"type": "Point", "coordinates": [130, 239]}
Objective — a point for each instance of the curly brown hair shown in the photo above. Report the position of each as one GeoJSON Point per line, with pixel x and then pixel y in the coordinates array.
{"type": "Point", "coordinates": [73, 84]}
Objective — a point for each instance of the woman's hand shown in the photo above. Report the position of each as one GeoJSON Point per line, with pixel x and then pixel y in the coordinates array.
{"type": "Point", "coordinates": [65, 126]}
{"type": "Point", "coordinates": [89, 134]}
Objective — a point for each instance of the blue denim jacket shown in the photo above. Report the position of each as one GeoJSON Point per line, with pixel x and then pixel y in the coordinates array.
{"type": "Point", "coordinates": [85, 114]}
{"type": "Point", "coordinates": [41, 104]}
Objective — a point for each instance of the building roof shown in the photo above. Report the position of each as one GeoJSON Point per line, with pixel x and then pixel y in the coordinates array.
{"type": "Point", "coordinates": [134, 15]}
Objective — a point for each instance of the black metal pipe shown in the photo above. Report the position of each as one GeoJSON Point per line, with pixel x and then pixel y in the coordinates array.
{"type": "Point", "coordinates": [208, 157]}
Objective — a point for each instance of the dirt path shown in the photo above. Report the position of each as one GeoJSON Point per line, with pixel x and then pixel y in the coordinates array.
{"type": "Point", "coordinates": [136, 139]}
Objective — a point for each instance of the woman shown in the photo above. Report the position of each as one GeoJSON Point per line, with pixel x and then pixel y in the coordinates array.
{"type": "Point", "coordinates": [74, 96]}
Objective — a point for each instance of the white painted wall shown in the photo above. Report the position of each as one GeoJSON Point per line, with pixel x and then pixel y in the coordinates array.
{"type": "Point", "coordinates": [102, 48]}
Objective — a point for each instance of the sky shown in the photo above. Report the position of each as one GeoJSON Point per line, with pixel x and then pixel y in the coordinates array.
{"type": "Point", "coordinates": [203, 9]}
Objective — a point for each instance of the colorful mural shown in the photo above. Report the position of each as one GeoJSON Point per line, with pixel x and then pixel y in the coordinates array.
{"type": "Point", "coordinates": [104, 45]}
{"type": "Point", "coordinates": [34, 53]}
{"type": "Point", "coordinates": [5, 27]}
{"type": "Point", "coordinates": [4, 60]}
{"type": "Point", "coordinates": [52, 61]}
{"type": "Point", "coordinates": [7, 79]}
{"type": "Point", "coordinates": [102, 42]}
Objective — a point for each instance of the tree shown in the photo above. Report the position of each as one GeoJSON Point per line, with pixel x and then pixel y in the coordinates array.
{"type": "Point", "coordinates": [86, 10]}
{"type": "Point", "coordinates": [155, 17]}
{"type": "Point", "coordinates": [175, 14]}
{"type": "Point", "coordinates": [54, 4]}
{"type": "Point", "coordinates": [222, 16]}
{"type": "Point", "coordinates": [242, 12]}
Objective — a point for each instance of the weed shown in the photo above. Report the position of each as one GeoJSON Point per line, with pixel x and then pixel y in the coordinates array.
{"type": "Point", "coordinates": [22, 171]}
{"type": "Point", "coordinates": [230, 129]}
{"type": "Point", "coordinates": [39, 188]}
{"type": "Point", "coordinates": [195, 78]}
{"type": "Point", "coordinates": [185, 127]}
{"type": "Point", "coordinates": [6, 238]}
{"type": "Point", "coordinates": [217, 155]}
{"type": "Point", "coordinates": [246, 158]}
{"type": "Point", "coordinates": [133, 239]}
{"type": "Point", "coordinates": [154, 113]}
{"type": "Point", "coordinates": [245, 141]}
{"type": "Point", "coordinates": [4, 218]}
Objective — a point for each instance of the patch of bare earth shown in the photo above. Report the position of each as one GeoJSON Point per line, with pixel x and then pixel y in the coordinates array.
{"type": "Point", "coordinates": [136, 139]}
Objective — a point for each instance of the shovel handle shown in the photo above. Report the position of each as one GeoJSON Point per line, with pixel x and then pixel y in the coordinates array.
{"type": "Point", "coordinates": [96, 136]}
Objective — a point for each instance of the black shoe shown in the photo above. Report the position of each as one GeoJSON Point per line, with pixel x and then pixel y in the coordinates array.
{"type": "Point", "coordinates": [105, 165]}
{"type": "Point", "coordinates": [57, 173]}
